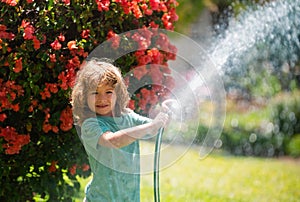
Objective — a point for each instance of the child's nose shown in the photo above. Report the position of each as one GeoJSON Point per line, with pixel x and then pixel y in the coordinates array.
{"type": "Point", "coordinates": [102, 96]}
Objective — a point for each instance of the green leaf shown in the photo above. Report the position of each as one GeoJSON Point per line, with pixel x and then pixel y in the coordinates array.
{"type": "Point", "coordinates": [50, 4]}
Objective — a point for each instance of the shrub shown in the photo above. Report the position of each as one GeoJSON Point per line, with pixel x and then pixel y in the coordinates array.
{"type": "Point", "coordinates": [293, 147]}
{"type": "Point", "coordinates": [274, 137]}
{"type": "Point", "coordinates": [286, 119]}
{"type": "Point", "coordinates": [43, 44]}
{"type": "Point", "coordinates": [245, 142]}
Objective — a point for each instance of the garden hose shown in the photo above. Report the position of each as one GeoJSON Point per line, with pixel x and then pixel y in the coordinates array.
{"type": "Point", "coordinates": [156, 164]}
{"type": "Point", "coordinates": [168, 105]}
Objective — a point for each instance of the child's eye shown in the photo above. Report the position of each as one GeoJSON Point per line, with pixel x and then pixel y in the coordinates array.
{"type": "Point", "coordinates": [94, 93]}
{"type": "Point", "coordinates": [109, 92]}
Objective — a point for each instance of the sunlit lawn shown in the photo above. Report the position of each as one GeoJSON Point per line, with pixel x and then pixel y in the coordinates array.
{"type": "Point", "coordinates": [219, 177]}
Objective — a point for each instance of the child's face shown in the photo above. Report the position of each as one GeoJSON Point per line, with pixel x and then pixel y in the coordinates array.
{"type": "Point", "coordinates": [102, 100]}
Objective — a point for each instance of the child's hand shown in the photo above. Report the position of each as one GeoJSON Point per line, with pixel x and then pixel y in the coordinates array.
{"type": "Point", "coordinates": [161, 120]}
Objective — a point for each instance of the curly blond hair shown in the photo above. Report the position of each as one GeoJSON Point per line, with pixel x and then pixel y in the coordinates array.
{"type": "Point", "coordinates": [90, 75]}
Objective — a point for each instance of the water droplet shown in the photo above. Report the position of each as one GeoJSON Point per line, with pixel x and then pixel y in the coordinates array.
{"type": "Point", "coordinates": [234, 123]}
{"type": "Point", "coordinates": [252, 137]}
{"type": "Point", "coordinates": [292, 116]}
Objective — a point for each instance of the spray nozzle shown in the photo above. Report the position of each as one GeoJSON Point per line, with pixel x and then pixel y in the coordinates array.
{"type": "Point", "coordinates": [172, 106]}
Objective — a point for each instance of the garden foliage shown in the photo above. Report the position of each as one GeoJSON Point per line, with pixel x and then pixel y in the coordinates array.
{"type": "Point", "coordinates": [277, 136]}
{"type": "Point", "coordinates": [42, 45]}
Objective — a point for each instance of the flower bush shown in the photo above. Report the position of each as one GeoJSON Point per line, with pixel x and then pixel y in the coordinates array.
{"type": "Point", "coordinates": [42, 45]}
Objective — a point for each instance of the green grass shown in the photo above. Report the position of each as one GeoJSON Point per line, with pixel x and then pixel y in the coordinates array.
{"type": "Point", "coordinates": [224, 178]}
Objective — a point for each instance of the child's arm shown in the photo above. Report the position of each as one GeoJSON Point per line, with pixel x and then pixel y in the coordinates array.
{"type": "Point", "coordinates": [126, 136]}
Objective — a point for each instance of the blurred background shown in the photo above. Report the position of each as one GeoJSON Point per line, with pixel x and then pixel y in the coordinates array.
{"type": "Point", "coordinates": [255, 47]}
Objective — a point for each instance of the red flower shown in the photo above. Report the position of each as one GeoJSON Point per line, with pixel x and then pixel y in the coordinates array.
{"type": "Point", "coordinates": [125, 5]}
{"type": "Point", "coordinates": [139, 72]}
{"type": "Point", "coordinates": [46, 127]}
{"type": "Point", "coordinates": [16, 107]}
{"type": "Point", "coordinates": [52, 167]}
{"type": "Point", "coordinates": [66, 118]}
{"type": "Point", "coordinates": [72, 170]}
{"type": "Point", "coordinates": [34, 103]}
{"type": "Point", "coordinates": [30, 108]}
{"type": "Point", "coordinates": [10, 2]}
{"type": "Point", "coordinates": [153, 25]}
{"type": "Point", "coordinates": [49, 88]}
{"type": "Point", "coordinates": [163, 42]}
{"type": "Point", "coordinates": [67, 2]}
{"type": "Point", "coordinates": [85, 167]}
{"type": "Point", "coordinates": [154, 4]}
{"type": "Point", "coordinates": [144, 59]}
{"type": "Point", "coordinates": [143, 104]}
{"type": "Point", "coordinates": [157, 57]}
{"type": "Point", "coordinates": [82, 53]}
{"type": "Point", "coordinates": [153, 99]}
{"type": "Point", "coordinates": [162, 7]}
{"type": "Point", "coordinates": [52, 87]}
{"type": "Point", "coordinates": [2, 117]}
{"type": "Point", "coordinates": [52, 57]}
{"type": "Point", "coordinates": [166, 21]}
{"type": "Point", "coordinates": [139, 53]}
{"type": "Point", "coordinates": [113, 38]}
{"type": "Point", "coordinates": [145, 93]}
{"type": "Point", "coordinates": [6, 35]}
{"type": "Point", "coordinates": [18, 66]}
{"type": "Point", "coordinates": [156, 74]}
{"type": "Point", "coordinates": [13, 96]}
{"type": "Point", "coordinates": [8, 93]}
{"type": "Point", "coordinates": [14, 140]}
{"type": "Point", "coordinates": [72, 45]}
{"type": "Point", "coordinates": [136, 10]}
{"type": "Point", "coordinates": [64, 79]}
{"type": "Point", "coordinates": [61, 37]}
{"type": "Point", "coordinates": [36, 43]}
{"type": "Point", "coordinates": [103, 5]}
{"type": "Point", "coordinates": [55, 129]}
{"type": "Point", "coordinates": [45, 94]}
{"type": "Point", "coordinates": [174, 16]}
{"type": "Point", "coordinates": [55, 45]}
{"type": "Point", "coordinates": [171, 54]}
{"type": "Point", "coordinates": [85, 33]}
{"type": "Point", "coordinates": [74, 62]}
{"type": "Point", "coordinates": [143, 38]}
{"type": "Point", "coordinates": [146, 10]}
{"type": "Point", "coordinates": [24, 24]}
{"type": "Point", "coordinates": [131, 104]}
{"type": "Point", "coordinates": [28, 32]}
{"type": "Point", "coordinates": [2, 28]}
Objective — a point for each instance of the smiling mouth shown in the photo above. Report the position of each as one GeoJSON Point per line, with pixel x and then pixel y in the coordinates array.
{"type": "Point", "coordinates": [101, 106]}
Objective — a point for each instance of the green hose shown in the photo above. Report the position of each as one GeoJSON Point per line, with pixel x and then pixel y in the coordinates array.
{"type": "Point", "coordinates": [156, 164]}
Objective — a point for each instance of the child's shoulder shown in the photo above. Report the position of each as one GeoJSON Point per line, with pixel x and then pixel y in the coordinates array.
{"type": "Point", "coordinates": [130, 113]}
{"type": "Point", "coordinates": [88, 121]}
{"type": "Point", "coordinates": [136, 117]}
